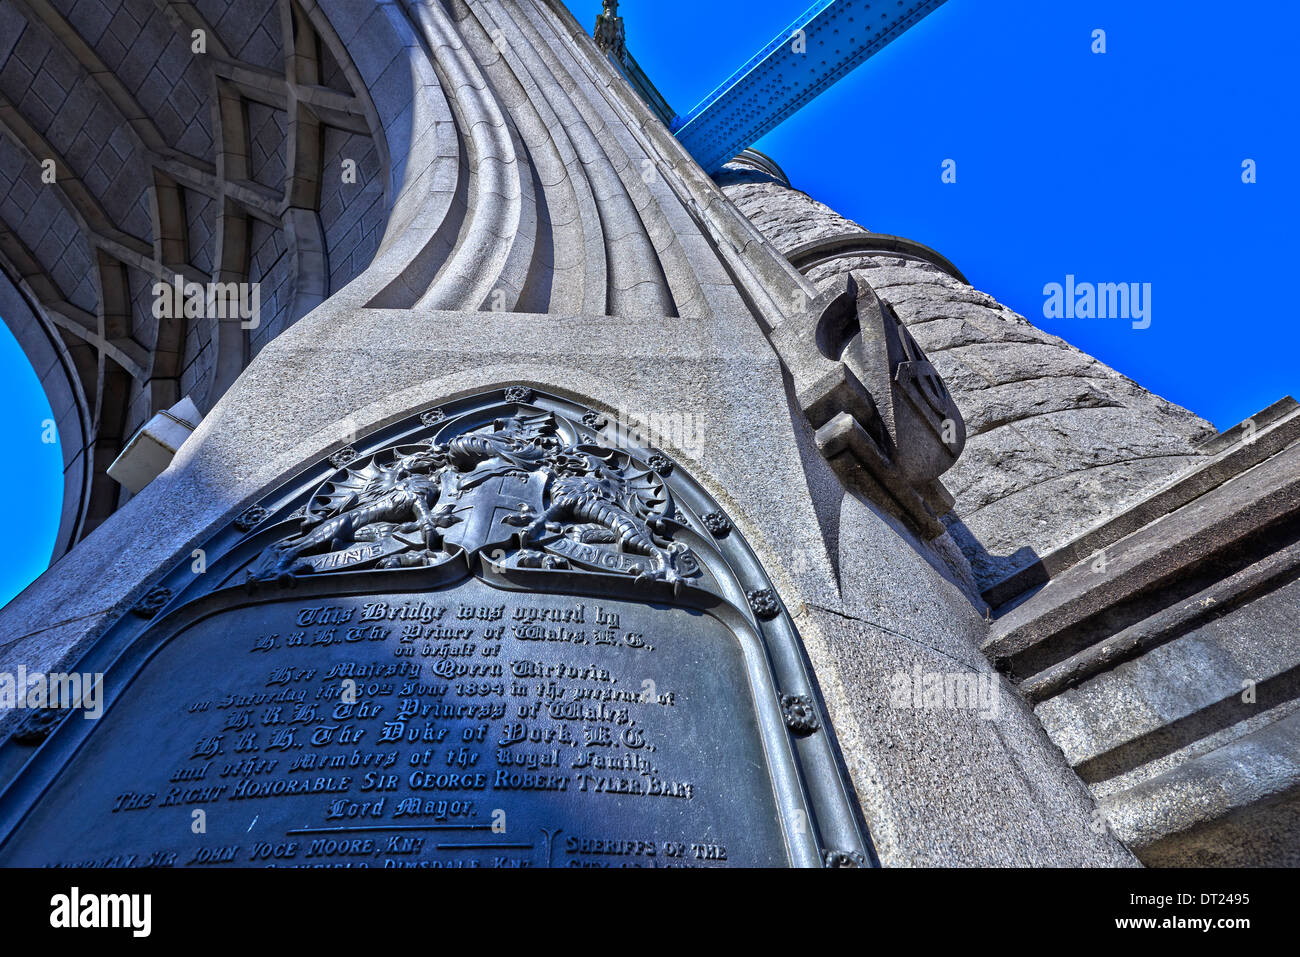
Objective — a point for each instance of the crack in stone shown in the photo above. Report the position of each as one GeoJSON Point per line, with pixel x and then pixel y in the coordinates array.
{"type": "Point", "coordinates": [898, 634]}
{"type": "Point", "coordinates": [1071, 474]}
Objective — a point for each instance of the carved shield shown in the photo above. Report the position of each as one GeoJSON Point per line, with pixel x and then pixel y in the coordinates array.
{"type": "Point", "coordinates": [484, 507]}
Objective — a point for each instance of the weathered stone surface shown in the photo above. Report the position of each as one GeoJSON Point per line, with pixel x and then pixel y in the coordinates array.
{"type": "Point", "coordinates": [165, 179]}
{"type": "Point", "coordinates": [525, 247]}
{"type": "Point", "coordinates": [1161, 652]}
{"type": "Point", "coordinates": [1179, 692]}
{"type": "Point", "coordinates": [1236, 806]}
{"type": "Point", "coordinates": [923, 772]}
{"type": "Point", "coordinates": [1057, 440]}
{"type": "Point", "coordinates": [1222, 459]}
{"type": "Point", "coordinates": [786, 217]}
{"type": "Point", "coordinates": [1163, 658]}
{"type": "Point", "coordinates": [1053, 623]}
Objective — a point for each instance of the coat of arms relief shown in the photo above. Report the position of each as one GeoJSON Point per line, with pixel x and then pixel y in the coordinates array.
{"type": "Point", "coordinates": [529, 489]}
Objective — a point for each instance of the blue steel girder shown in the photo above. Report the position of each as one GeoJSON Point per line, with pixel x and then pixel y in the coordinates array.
{"type": "Point", "coordinates": [838, 35]}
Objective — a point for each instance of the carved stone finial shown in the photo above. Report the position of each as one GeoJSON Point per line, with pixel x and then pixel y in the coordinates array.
{"type": "Point", "coordinates": [609, 33]}
{"type": "Point", "coordinates": [882, 415]}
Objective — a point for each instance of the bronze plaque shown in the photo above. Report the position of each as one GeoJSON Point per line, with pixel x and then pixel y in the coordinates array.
{"type": "Point", "coordinates": [485, 728]}
{"type": "Point", "coordinates": [491, 637]}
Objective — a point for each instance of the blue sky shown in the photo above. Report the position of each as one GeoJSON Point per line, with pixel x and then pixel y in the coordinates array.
{"type": "Point", "coordinates": [1116, 167]}
{"type": "Point", "coordinates": [33, 483]}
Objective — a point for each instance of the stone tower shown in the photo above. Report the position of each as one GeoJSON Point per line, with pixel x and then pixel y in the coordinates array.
{"type": "Point", "coordinates": [544, 480]}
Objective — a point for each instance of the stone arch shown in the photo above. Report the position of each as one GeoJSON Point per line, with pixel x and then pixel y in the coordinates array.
{"type": "Point", "coordinates": [149, 149]}
{"type": "Point", "coordinates": [61, 381]}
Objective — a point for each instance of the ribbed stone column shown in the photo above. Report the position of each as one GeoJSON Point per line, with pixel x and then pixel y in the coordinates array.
{"type": "Point", "coordinates": [1057, 441]}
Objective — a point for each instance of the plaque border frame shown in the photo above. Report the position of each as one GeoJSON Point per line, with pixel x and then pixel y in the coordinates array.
{"type": "Point", "coordinates": [820, 818]}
